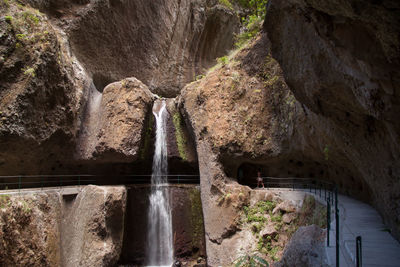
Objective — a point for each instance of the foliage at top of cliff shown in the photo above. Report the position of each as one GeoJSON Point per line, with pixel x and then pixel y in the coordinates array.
{"type": "Point", "coordinates": [252, 14]}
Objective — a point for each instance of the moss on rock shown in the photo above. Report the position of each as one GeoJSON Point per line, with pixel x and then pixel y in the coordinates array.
{"type": "Point", "coordinates": [180, 137]}
{"type": "Point", "coordinates": [196, 218]}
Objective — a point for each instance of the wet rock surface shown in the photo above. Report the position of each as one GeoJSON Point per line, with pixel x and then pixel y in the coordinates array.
{"type": "Point", "coordinates": [187, 220]}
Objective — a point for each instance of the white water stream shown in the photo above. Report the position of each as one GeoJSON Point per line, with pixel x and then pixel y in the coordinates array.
{"type": "Point", "coordinates": [159, 251]}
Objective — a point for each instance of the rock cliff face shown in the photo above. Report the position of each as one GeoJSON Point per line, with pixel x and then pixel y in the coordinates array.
{"type": "Point", "coordinates": [341, 61]}
{"type": "Point", "coordinates": [260, 124]}
{"type": "Point", "coordinates": [48, 93]}
{"type": "Point", "coordinates": [92, 228]}
{"type": "Point", "coordinates": [30, 230]}
{"type": "Point", "coordinates": [163, 43]}
{"type": "Point", "coordinates": [253, 123]}
{"type": "Point", "coordinates": [53, 229]}
{"type": "Point", "coordinates": [39, 94]}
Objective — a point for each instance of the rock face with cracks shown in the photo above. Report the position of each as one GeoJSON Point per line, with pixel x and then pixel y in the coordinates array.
{"type": "Point", "coordinates": [115, 129]}
{"type": "Point", "coordinates": [93, 227]}
{"type": "Point", "coordinates": [40, 92]}
{"type": "Point", "coordinates": [53, 229]}
{"type": "Point", "coordinates": [165, 44]}
{"type": "Point", "coordinates": [341, 61]}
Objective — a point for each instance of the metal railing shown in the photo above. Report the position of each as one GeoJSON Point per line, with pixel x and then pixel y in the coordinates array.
{"type": "Point", "coordinates": [358, 252]}
{"type": "Point", "coordinates": [40, 181]}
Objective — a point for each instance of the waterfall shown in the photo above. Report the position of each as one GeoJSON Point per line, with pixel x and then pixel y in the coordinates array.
{"type": "Point", "coordinates": [159, 237]}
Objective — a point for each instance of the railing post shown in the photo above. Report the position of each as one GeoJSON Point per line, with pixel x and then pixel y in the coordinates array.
{"type": "Point", "coordinates": [358, 252]}
{"type": "Point", "coordinates": [19, 183]}
{"type": "Point", "coordinates": [328, 220]}
{"type": "Point", "coordinates": [320, 188]}
{"type": "Point", "coordinates": [337, 227]}
{"type": "Point", "coordinates": [178, 179]}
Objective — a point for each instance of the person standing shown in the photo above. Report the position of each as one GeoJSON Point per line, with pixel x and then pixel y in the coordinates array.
{"type": "Point", "coordinates": [259, 179]}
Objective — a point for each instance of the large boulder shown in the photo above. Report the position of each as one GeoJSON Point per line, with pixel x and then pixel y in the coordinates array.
{"type": "Point", "coordinates": [92, 228]}
{"type": "Point", "coordinates": [53, 228]}
{"type": "Point", "coordinates": [115, 128]}
{"type": "Point", "coordinates": [249, 124]}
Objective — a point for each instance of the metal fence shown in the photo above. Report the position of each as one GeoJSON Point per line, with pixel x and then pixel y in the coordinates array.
{"type": "Point", "coordinates": [324, 189]}
{"type": "Point", "coordinates": [39, 181]}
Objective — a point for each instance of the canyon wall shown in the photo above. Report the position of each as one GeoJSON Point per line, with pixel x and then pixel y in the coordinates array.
{"type": "Point", "coordinates": [56, 63]}
{"type": "Point", "coordinates": [259, 124]}
{"type": "Point", "coordinates": [341, 61]}
{"type": "Point", "coordinates": [163, 43]}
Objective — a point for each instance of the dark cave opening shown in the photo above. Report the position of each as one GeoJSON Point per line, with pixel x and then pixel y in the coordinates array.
{"type": "Point", "coordinates": [100, 81]}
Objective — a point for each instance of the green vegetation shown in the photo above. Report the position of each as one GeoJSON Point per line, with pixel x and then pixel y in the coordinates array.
{"type": "Point", "coordinates": [261, 207]}
{"type": "Point", "coordinates": [252, 22]}
{"type": "Point", "coordinates": [312, 212]}
{"type": "Point", "coordinates": [252, 25]}
{"type": "Point", "coordinates": [223, 60]}
{"type": "Point", "coordinates": [226, 3]}
{"type": "Point", "coordinates": [4, 201]}
{"type": "Point", "coordinates": [180, 137]}
{"type": "Point", "coordinates": [252, 260]}
{"type": "Point", "coordinates": [196, 218]}
{"type": "Point", "coordinates": [199, 77]}
{"type": "Point", "coordinates": [256, 7]}
{"type": "Point", "coordinates": [326, 152]}
{"type": "Point", "coordinates": [147, 137]}
{"type": "Point", "coordinates": [29, 71]}
{"type": "Point", "coordinates": [30, 17]}
{"type": "Point", "coordinates": [8, 18]}
{"type": "Point", "coordinates": [25, 207]}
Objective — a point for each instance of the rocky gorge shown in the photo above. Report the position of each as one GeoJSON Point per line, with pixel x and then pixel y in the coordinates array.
{"type": "Point", "coordinates": [314, 94]}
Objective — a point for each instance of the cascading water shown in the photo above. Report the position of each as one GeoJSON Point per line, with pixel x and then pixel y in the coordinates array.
{"type": "Point", "coordinates": [159, 237]}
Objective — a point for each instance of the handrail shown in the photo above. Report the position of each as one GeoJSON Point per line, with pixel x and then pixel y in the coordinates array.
{"type": "Point", "coordinates": [28, 181]}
